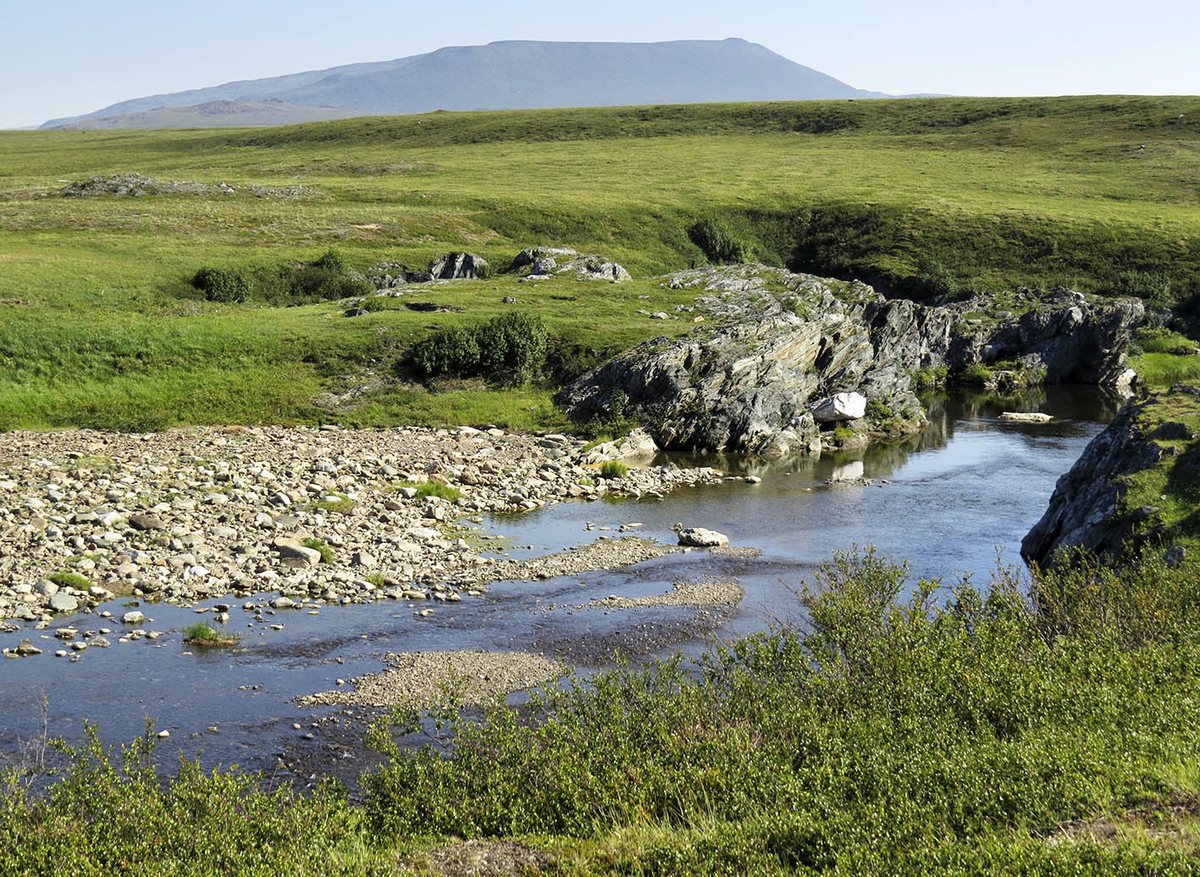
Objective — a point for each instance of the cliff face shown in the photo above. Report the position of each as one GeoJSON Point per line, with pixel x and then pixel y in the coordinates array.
{"type": "Point", "coordinates": [777, 344]}
{"type": "Point", "coordinates": [1136, 481]}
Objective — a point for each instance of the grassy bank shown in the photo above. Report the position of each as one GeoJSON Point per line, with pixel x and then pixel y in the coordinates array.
{"type": "Point", "coordinates": [99, 327]}
{"type": "Point", "coordinates": [896, 732]}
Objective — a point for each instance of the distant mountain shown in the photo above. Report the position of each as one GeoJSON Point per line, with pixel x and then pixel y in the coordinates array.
{"type": "Point", "coordinates": [520, 75]}
{"type": "Point", "coordinates": [215, 114]}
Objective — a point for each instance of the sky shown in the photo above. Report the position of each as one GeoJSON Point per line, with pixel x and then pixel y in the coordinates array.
{"type": "Point", "coordinates": [68, 57]}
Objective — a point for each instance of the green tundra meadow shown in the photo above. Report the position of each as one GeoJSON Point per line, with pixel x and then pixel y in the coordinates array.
{"type": "Point", "coordinates": [100, 327]}
{"type": "Point", "coordinates": [1026, 726]}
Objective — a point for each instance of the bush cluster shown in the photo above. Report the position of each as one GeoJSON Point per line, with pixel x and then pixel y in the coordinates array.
{"type": "Point", "coordinates": [719, 244]}
{"type": "Point", "coordinates": [328, 278]}
{"type": "Point", "coordinates": [894, 731]}
{"type": "Point", "coordinates": [506, 350]}
{"type": "Point", "coordinates": [222, 285]}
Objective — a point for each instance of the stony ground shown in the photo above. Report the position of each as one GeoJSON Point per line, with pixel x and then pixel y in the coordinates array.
{"type": "Point", "coordinates": [312, 515]}
{"type": "Point", "coordinates": [425, 679]}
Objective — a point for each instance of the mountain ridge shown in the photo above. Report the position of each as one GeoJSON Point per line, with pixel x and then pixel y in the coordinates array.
{"type": "Point", "coordinates": [520, 74]}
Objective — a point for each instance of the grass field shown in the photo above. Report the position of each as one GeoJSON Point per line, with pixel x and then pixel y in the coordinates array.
{"type": "Point", "coordinates": [98, 326]}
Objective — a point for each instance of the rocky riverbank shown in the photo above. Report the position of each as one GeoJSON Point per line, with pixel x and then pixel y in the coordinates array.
{"type": "Point", "coordinates": [788, 362]}
{"type": "Point", "coordinates": [313, 515]}
{"type": "Point", "coordinates": [1134, 485]}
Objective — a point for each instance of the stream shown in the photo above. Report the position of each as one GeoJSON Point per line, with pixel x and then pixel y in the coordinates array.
{"type": "Point", "coordinates": [953, 502]}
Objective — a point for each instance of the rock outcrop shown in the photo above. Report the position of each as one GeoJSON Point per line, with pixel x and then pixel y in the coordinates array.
{"type": "Point", "coordinates": [547, 261]}
{"type": "Point", "coordinates": [775, 345]}
{"type": "Point", "coordinates": [458, 266]}
{"type": "Point", "coordinates": [1090, 507]}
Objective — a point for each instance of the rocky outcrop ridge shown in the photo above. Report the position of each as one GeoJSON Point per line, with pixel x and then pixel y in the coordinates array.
{"type": "Point", "coordinates": [546, 261]}
{"type": "Point", "coordinates": [1089, 508]}
{"type": "Point", "coordinates": [778, 344]}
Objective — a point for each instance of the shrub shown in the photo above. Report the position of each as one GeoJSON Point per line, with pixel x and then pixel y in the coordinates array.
{"type": "Point", "coordinates": [877, 410]}
{"type": "Point", "coordinates": [434, 488]}
{"type": "Point", "coordinates": [506, 350]}
{"type": "Point", "coordinates": [931, 281]}
{"type": "Point", "coordinates": [613, 469]}
{"type": "Point", "coordinates": [1154, 289]}
{"type": "Point", "coordinates": [202, 634]}
{"type": "Point", "coordinates": [320, 547]}
{"type": "Point", "coordinates": [327, 279]}
{"type": "Point", "coordinates": [976, 375]}
{"type": "Point", "coordinates": [66, 579]}
{"type": "Point", "coordinates": [221, 285]}
{"type": "Point", "coordinates": [930, 378]}
{"type": "Point", "coordinates": [718, 243]}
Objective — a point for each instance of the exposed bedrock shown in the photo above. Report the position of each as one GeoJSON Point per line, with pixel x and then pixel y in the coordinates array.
{"type": "Point", "coordinates": [777, 345]}
{"type": "Point", "coordinates": [1091, 507]}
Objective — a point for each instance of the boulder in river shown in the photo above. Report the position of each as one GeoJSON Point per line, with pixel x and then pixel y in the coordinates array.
{"type": "Point", "coordinates": [702, 537]}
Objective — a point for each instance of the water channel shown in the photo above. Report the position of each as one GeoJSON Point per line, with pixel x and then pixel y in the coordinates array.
{"type": "Point", "coordinates": [953, 502]}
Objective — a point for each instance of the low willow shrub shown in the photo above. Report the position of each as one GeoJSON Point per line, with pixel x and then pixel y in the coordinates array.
{"type": "Point", "coordinates": [111, 815]}
{"type": "Point", "coordinates": [506, 350]}
{"type": "Point", "coordinates": [888, 731]}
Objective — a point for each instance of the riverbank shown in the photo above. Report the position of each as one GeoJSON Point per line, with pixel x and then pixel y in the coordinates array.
{"type": "Point", "coordinates": [310, 516]}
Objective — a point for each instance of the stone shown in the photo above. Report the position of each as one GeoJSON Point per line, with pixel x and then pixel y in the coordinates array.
{"type": "Point", "coordinates": [133, 617]}
{"type": "Point", "coordinates": [840, 406]}
{"type": "Point", "coordinates": [1026, 417]}
{"type": "Point", "coordinates": [62, 602]}
{"type": "Point", "coordinates": [146, 522]}
{"type": "Point", "coordinates": [701, 537]}
{"type": "Point", "coordinates": [305, 556]}
{"type": "Point", "coordinates": [27, 650]}
{"type": "Point", "coordinates": [458, 266]}
{"type": "Point", "coordinates": [283, 603]}
{"type": "Point", "coordinates": [747, 379]}
{"type": "Point", "coordinates": [1175, 556]}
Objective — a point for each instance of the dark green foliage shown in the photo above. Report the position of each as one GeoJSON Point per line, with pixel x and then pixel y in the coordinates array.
{"type": "Point", "coordinates": [892, 733]}
{"type": "Point", "coordinates": [877, 410]}
{"type": "Point", "coordinates": [506, 350]}
{"type": "Point", "coordinates": [221, 285]}
{"type": "Point", "coordinates": [326, 279]}
{"type": "Point", "coordinates": [718, 243]}
{"type": "Point", "coordinates": [320, 547]}
{"type": "Point", "coordinates": [1151, 287]}
{"type": "Point", "coordinates": [975, 374]}
{"type": "Point", "coordinates": [103, 818]}
{"type": "Point", "coordinates": [613, 469]}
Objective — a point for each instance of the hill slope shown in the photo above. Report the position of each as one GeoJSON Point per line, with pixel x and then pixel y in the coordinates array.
{"type": "Point", "coordinates": [525, 75]}
{"type": "Point", "coordinates": [216, 114]}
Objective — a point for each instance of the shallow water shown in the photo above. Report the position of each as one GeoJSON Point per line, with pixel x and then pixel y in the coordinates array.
{"type": "Point", "coordinates": [957, 501]}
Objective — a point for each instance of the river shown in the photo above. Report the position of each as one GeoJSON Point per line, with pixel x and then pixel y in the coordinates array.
{"type": "Point", "coordinates": [953, 502]}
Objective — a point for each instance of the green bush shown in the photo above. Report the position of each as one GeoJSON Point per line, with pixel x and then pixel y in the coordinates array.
{"type": "Point", "coordinates": [877, 410]}
{"type": "Point", "coordinates": [719, 244]}
{"type": "Point", "coordinates": [329, 278]}
{"type": "Point", "coordinates": [66, 579]}
{"type": "Point", "coordinates": [506, 350]}
{"type": "Point", "coordinates": [900, 727]}
{"type": "Point", "coordinates": [222, 285]}
{"type": "Point", "coordinates": [320, 547]}
{"type": "Point", "coordinates": [974, 375]}
{"type": "Point", "coordinates": [1153, 288]}
{"type": "Point", "coordinates": [613, 469]}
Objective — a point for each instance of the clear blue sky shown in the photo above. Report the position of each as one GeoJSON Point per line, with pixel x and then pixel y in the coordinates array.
{"type": "Point", "coordinates": [66, 57]}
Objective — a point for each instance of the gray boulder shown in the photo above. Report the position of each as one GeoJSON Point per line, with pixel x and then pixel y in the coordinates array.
{"type": "Point", "coordinates": [458, 266]}
{"type": "Point", "coordinates": [63, 602]}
